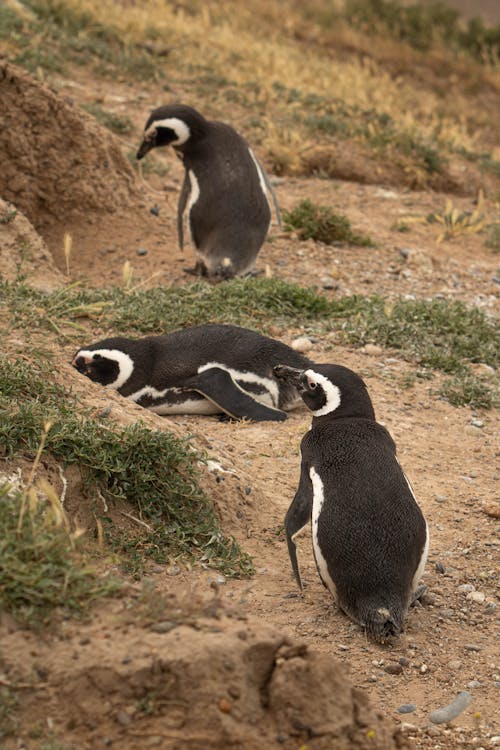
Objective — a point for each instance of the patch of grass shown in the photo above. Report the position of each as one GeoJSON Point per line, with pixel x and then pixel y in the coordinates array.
{"type": "Point", "coordinates": [8, 704]}
{"type": "Point", "coordinates": [466, 388]}
{"type": "Point", "coordinates": [322, 224]}
{"type": "Point", "coordinates": [40, 567]}
{"type": "Point", "coordinates": [439, 334]}
{"type": "Point", "coordinates": [119, 124]}
{"type": "Point", "coordinates": [153, 470]}
{"type": "Point", "coordinates": [456, 223]}
{"type": "Point", "coordinates": [425, 25]}
{"type": "Point", "coordinates": [400, 226]}
{"type": "Point", "coordinates": [53, 34]}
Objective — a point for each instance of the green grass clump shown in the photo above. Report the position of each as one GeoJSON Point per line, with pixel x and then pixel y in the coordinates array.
{"type": "Point", "coordinates": [322, 224]}
{"type": "Point", "coordinates": [54, 35]}
{"type": "Point", "coordinates": [153, 470]}
{"type": "Point", "coordinates": [465, 389]}
{"type": "Point", "coordinates": [423, 25]}
{"type": "Point", "coordinates": [40, 567]}
{"type": "Point", "coordinates": [439, 334]}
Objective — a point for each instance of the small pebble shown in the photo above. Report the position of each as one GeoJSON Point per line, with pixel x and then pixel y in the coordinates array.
{"type": "Point", "coordinates": [440, 567]}
{"type": "Point", "coordinates": [473, 684]}
{"type": "Point", "coordinates": [466, 588]}
{"type": "Point", "coordinates": [407, 708]}
{"type": "Point", "coordinates": [477, 423]}
{"type": "Point", "coordinates": [446, 612]}
{"type": "Point", "coordinates": [225, 706]}
{"type": "Point", "coordinates": [452, 710]}
{"type": "Point", "coordinates": [123, 718]}
{"type": "Point", "coordinates": [162, 627]}
{"type": "Point", "coordinates": [173, 570]}
{"type": "Point", "coordinates": [141, 251]}
{"type": "Point", "coordinates": [248, 490]}
{"type": "Point", "coordinates": [476, 596]}
{"type": "Point", "coordinates": [404, 661]}
{"type": "Point", "coordinates": [441, 498]}
{"type": "Point", "coordinates": [329, 283]}
{"type": "Point", "coordinates": [105, 413]}
{"type": "Point", "coordinates": [154, 210]}
{"type": "Point", "coordinates": [471, 647]}
{"type": "Point", "coordinates": [393, 668]}
{"type": "Point", "coordinates": [372, 349]}
{"type": "Point", "coordinates": [455, 664]}
{"type": "Point", "coordinates": [302, 344]}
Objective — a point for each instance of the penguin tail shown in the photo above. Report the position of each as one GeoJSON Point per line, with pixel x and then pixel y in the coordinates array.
{"type": "Point", "coordinates": [381, 624]}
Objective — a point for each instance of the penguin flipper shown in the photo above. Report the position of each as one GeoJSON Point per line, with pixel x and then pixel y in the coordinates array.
{"type": "Point", "coordinates": [218, 386]}
{"type": "Point", "coordinates": [181, 207]}
{"type": "Point", "coordinates": [298, 515]}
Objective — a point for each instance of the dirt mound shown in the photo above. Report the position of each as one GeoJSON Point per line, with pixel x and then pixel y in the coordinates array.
{"type": "Point", "coordinates": [22, 251]}
{"type": "Point", "coordinates": [57, 161]}
{"type": "Point", "coordinates": [214, 682]}
{"type": "Point", "coordinates": [59, 166]}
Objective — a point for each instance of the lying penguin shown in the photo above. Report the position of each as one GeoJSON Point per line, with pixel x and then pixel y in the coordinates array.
{"type": "Point", "coordinates": [224, 189]}
{"type": "Point", "coordinates": [370, 539]}
{"type": "Point", "coordinates": [207, 369]}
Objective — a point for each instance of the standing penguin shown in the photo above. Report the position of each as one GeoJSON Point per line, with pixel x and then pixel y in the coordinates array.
{"type": "Point", "coordinates": [370, 539]}
{"type": "Point", "coordinates": [224, 189]}
{"type": "Point", "coordinates": [206, 369]}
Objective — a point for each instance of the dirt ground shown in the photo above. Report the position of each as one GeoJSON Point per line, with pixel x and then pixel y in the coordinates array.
{"type": "Point", "coordinates": [448, 453]}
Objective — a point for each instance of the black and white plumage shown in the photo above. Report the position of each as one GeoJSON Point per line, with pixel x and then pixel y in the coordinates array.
{"type": "Point", "coordinates": [224, 190]}
{"type": "Point", "coordinates": [205, 369]}
{"type": "Point", "coordinates": [370, 539]}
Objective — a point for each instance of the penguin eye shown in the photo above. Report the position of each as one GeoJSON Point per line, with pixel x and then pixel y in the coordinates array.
{"type": "Point", "coordinates": [97, 356]}
{"type": "Point", "coordinates": [312, 385]}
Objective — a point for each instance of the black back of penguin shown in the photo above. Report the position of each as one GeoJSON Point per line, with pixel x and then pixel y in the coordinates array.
{"type": "Point", "coordinates": [369, 534]}
{"type": "Point", "coordinates": [224, 188]}
{"type": "Point", "coordinates": [172, 359]}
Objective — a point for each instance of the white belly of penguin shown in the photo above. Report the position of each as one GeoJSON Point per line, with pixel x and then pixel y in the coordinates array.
{"type": "Point", "coordinates": [194, 194]}
{"type": "Point", "coordinates": [185, 406]}
{"type": "Point", "coordinates": [318, 500]}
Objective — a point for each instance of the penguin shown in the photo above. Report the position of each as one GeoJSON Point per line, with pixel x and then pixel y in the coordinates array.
{"type": "Point", "coordinates": [206, 369]}
{"type": "Point", "coordinates": [224, 190]}
{"type": "Point", "coordinates": [370, 539]}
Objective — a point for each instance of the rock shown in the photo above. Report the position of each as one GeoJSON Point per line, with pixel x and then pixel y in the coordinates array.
{"type": "Point", "coordinates": [471, 647]}
{"type": "Point", "coordinates": [123, 718]}
{"type": "Point", "coordinates": [162, 627]}
{"type": "Point", "coordinates": [440, 567]}
{"type": "Point", "coordinates": [476, 596]}
{"type": "Point", "coordinates": [225, 706]}
{"type": "Point", "coordinates": [173, 570]}
{"type": "Point", "coordinates": [407, 708]}
{"type": "Point", "coordinates": [466, 588]}
{"type": "Point", "coordinates": [302, 344]}
{"type": "Point", "coordinates": [474, 684]}
{"type": "Point", "coordinates": [329, 283]}
{"type": "Point", "coordinates": [491, 508]}
{"type": "Point", "coordinates": [393, 668]}
{"type": "Point", "coordinates": [452, 710]}
{"type": "Point", "coordinates": [372, 349]}
{"type": "Point", "coordinates": [141, 251]}
{"type": "Point", "coordinates": [455, 664]}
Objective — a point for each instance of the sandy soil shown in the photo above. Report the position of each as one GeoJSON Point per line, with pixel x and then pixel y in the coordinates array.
{"type": "Point", "coordinates": [448, 454]}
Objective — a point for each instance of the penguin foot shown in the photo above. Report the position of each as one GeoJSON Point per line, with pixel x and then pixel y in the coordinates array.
{"type": "Point", "coordinates": [198, 270]}
{"type": "Point", "coordinates": [418, 594]}
{"type": "Point", "coordinates": [253, 273]}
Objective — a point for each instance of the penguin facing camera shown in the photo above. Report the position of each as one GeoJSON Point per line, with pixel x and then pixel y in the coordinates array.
{"type": "Point", "coordinates": [370, 539]}
{"type": "Point", "coordinates": [224, 191]}
{"type": "Point", "coordinates": [207, 369]}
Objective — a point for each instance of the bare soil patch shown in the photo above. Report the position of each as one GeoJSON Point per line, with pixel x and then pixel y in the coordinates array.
{"type": "Point", "coordinates": [94, 680]}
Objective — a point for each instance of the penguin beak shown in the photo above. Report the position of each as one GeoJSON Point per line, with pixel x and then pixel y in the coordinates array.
{"type": "Point", "coordinates": [146, 145]}
{"type": "Point", "coordinates": [292, 375]}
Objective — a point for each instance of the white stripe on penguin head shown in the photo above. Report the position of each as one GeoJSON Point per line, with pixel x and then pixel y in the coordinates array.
{"type": "Point", "coordinates": [179, 127]}
{"type": "Point", "coordinates": [124, 362]}
{"type": "Point", "coordinates": [332, 393]}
